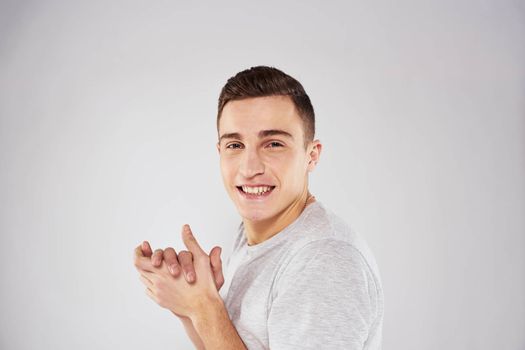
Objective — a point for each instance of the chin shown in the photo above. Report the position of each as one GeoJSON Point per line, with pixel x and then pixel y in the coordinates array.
{"type": "Point", "coordinates": [254, 214]}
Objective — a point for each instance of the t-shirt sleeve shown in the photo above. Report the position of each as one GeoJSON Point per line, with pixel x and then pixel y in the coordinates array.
{"type": "Point", "coordinates": [324, 299]}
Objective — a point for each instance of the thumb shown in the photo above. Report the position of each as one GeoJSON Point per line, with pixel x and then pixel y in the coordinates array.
{"type": "Point", "coordinates": [216, 266]}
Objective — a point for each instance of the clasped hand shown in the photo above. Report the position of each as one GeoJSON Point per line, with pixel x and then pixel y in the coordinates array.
{"type": "Point", "coordinates": [161, 271]}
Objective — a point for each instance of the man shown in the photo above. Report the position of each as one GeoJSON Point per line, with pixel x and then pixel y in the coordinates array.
{"type": "Point", "coordinates": [299, 277]}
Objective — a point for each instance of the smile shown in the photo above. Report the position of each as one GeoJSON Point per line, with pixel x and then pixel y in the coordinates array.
{"type": "Point", "coordinates": [255, 192]}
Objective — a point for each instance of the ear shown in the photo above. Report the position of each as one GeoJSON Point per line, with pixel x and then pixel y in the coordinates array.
{"type": "Point", "coordinates": [314, 154]}
{"type": "Point", "coordinates": [218, 148]}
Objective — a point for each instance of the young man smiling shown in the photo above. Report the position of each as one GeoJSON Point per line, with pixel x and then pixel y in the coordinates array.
{"type": "Point", "coordinates": [299, 277]}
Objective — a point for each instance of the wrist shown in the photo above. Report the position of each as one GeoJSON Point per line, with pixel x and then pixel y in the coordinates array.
{"type": "Point", "coordinates": [183, 319]}
{"type": "Point", "coordinates": [209, 310]}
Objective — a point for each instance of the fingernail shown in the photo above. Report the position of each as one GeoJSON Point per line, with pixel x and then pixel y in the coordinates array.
{"type": "Point", "coordinates": [174, 269]}
{"type": "Point", "coordinates": [191, 276]}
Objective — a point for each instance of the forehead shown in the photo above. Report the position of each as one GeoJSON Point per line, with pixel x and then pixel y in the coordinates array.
{"type": "Point", "coordinates": [248, 116]}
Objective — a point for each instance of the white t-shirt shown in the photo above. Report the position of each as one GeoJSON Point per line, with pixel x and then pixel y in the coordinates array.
{"type": "Point", "coordinates": [314, 285]}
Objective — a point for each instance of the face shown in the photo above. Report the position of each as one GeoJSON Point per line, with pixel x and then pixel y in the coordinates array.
{"type": "Point", "coordinates": [264, 164]}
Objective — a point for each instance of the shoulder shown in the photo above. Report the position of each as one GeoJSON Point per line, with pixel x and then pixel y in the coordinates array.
{"type": "Point", "coordinates": [329, 276]}
{"type": "Point", "coordinates": [325, 257]}
{"type": "Point", "coordinates": [327, 247]}
{"type": "Point", "coordinates": [324, 233]}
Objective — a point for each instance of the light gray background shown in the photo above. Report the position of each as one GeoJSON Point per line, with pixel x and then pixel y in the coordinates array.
{"type": "Point", "coordinates": [107, 138]}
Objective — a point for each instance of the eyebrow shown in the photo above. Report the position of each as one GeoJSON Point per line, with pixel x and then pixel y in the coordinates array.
{"type": "Point", "coordinates": [262, 134]}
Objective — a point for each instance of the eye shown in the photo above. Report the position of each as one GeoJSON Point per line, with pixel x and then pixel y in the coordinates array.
{"type": "Point", "coordinates": [234, 145]}
{"type": "Point", "coordinates": [275, 144]}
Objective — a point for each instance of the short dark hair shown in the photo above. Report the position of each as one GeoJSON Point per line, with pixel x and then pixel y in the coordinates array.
{"type": "Point", "coordinates": [261, 81]}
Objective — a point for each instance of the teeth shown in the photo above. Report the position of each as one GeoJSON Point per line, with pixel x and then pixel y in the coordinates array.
{"type": "Point", "coordinates": [256, 190]}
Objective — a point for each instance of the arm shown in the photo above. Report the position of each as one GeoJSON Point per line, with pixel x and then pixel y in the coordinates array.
{"type": "Point", "coordinates": [325, 299]}
{"type": "Point", "coordinates": [184, 261]}
{"type": "Point", "coordinates": [199, 301]}
{"type": "Point", "coordinates": [213, 325]}
{"type": "Point", "coordinates": [192, 333]}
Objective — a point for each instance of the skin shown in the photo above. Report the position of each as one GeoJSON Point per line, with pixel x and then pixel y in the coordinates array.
{"type": "Point", "coordinates": [248, 155]}
{"type": "Point", "coordinates": [199, 302]}
{"type": "Point", "coordinates": [277, 160]}
{"type": "Point", "coordinates": [183, 262]}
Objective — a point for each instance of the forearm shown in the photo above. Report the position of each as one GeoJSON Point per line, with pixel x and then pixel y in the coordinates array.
{"type": "Point", "coordinates": [215, 329]}
{"type": "Point", "coordinates": [192, 333]}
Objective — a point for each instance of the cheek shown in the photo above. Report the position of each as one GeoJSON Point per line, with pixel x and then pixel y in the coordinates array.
{"type": "Point", "coordinates": [293, 170]}
{"type": "Point", "coordinates": [227, 169]}
{"type": "Point", "coordinates": [281, 168]}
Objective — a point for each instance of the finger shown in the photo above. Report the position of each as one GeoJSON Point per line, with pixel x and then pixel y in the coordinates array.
{"type": "Point", "coordinates": [150, 293]}
{"type": "Point", "coordinates": [146, 249]}
{"type": "Point", "coordinates": [156, 258]}
{"type": "Point", "coordinates": [190, 242]}
{"type": "Point", "coordinates": [170, 258]}
{"type": "Point", "coordinates": [146, 281]}
{"type": "Point", "coordinates": [186, 261]}
{"type": "Point", "coordinates": [137, 252]}
{"type": "Point", "coordinates": [143, 264]}
{"type": "Point", "coordinates": [216, 266]}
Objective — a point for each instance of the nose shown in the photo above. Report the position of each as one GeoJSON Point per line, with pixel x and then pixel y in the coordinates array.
{"type": "Point", "coordinates": [251, 164]}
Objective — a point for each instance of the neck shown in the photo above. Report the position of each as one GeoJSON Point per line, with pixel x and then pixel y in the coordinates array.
{"type": "Point", "coordinates": [260, 231]}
